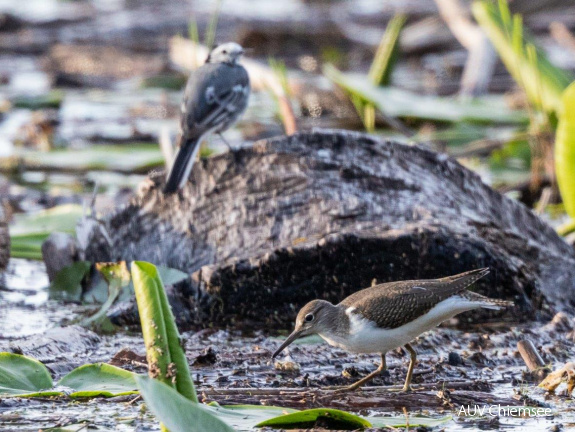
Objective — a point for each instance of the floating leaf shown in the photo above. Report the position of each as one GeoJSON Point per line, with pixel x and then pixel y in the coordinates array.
{"type": "Point", "coordinates": [129, 158]}
{"type": "Point", "coordinates": [99, 379]}
{"type": "Point", "coordinates": [53, 99]}
{"type": "Point", "coordinates": [245, 417]}
{"type": "Point", "coordinates": [395, 102]}
{"type": "Point", "coordinates": [28, 231]}
{"type": "Point", "coordinates": [414, 421]}
{"type": "Point", "coordinates": [23, 376]}
{"type": "Point", "coordinates": [333, 418]}
{"type": "Point", "coordinates": [176, 412]}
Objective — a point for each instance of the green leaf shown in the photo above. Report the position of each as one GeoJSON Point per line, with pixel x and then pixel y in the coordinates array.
{"type": "Point", "coordinates": [150, 309]}
{"type": "Point", "coordinates": [542, 81]}
{"type": "Point", "coordinates": [150, 289]}
{"type": "Point", "coordinates": [23, 376]}
{"type": "Point", "coordinates": [67, 283]}
{"type": "Point", "coordinates": [129, 158]}
{"type": "Point", "coordinates": [171, 276]}
{"type": "Point", "coordinates": [117, 276]}
{"type": "Point", "coordinates": [414, 421]}
{"type": "Point", "coordinates": [28, 231]}
{"type": "Point", "coordinates": [245, 417]}
{"type": "Point", "coordinates": [53, 99]}
{"type": "Point", "coordinates": [176, 412]}
{"type": "Point", "coordinates": [396, 102]}
{"type": "Point", "coordinates": [386, 54]}
{"type": "Point", "coordinates": [335, 419]}
{"type": "Point", "coordinates": [565, 151]}
{"type": "Point", "coordinates": [99, 379]}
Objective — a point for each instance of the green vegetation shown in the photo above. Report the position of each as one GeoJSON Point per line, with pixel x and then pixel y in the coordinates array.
{"type": "Point", "coordinates": [543, 82]}
{"type": "Point", "coordinates": [565, 150]}
{"type": "Point", "coordinates": [52, 99]}
{"type": "Point", "coordinates": [28, 231]}
{"type": "Point", "coordinates": [399, 103]}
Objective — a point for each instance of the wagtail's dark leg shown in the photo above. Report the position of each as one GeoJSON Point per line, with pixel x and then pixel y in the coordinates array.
{"type": "Point", "coordinates": [226, 142]}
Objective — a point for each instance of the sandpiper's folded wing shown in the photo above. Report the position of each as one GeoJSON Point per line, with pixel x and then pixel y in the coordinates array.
{"type": "Point", "coordinates": [403, 301]}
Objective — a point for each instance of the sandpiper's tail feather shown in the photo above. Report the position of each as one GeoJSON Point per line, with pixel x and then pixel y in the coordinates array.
{"type": "Point", "coordinates": [486, 302]}
{"type": "Point", "coordinates": [463, 280]}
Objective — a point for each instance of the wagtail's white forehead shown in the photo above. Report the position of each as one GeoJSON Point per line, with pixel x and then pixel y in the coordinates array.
{"type": "Point", "coordinates": [228, 52]}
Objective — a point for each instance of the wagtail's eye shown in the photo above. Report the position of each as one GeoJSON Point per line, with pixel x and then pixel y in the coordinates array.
{"type": "Point", "coordinates": [309, 318]}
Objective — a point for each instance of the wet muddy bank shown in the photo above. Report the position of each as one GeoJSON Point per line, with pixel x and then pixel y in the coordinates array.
{"type": "Point", "coordinates": [454, 368]}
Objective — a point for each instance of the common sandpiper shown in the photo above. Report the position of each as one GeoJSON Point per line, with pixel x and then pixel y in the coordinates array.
{"type": "Point", "coordinates": [386, 316]}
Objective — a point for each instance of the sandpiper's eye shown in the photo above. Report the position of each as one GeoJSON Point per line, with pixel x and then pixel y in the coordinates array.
{"type": "Point", "coordinates": [225, 51]}
{"type": "Point", "coordinates": [309, 318]}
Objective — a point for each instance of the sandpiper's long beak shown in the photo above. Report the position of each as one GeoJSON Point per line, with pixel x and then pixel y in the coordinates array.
{"type": "Point", "coordinates": [295, 334]}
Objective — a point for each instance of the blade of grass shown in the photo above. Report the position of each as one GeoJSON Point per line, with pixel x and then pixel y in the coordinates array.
{"type": "Point", "coordinates": [543, 82]}
{"type": "Point", "coordinates": [212, 27]}
{"type": "Point", "coordinates": [386, 54]}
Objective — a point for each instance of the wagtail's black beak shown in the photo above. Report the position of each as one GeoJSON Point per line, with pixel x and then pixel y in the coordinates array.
{"type": "Point", "coordinates": [295, 334]}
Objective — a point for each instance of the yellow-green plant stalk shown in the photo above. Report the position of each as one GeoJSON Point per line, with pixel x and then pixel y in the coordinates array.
{"type": "Point", "coordinates": [565, 150]}
{"type": "Point", "coordinates": [152, 321]}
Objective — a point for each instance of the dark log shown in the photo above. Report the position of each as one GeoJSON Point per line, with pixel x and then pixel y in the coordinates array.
{"type": "Point", "coordinates": [323, 214]}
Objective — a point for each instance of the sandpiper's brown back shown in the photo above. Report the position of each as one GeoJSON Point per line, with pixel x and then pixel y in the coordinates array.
{"type": "Point", "coordinates": [401, 302]}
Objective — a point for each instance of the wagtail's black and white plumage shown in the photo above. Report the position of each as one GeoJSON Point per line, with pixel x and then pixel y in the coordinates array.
{"type": "Point", "coordinates": [390, 315]}
{"type": "Point", "coordinates": [216, 95]}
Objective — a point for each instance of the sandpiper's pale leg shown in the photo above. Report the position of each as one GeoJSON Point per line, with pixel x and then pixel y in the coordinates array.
{"type": "Point", "coordinates": [413, 354]}
{"type": "Point", "coordinates": [356, 385]}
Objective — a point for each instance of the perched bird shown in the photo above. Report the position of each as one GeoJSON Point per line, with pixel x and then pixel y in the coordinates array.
{"type": "Point", "coordinates": [390, 315]}
{"type": "Point", "coordinates": [215, 96]}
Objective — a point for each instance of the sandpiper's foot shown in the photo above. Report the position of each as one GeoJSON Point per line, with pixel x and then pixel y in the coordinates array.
{"type": "Point", "coordinates": [407, 389]}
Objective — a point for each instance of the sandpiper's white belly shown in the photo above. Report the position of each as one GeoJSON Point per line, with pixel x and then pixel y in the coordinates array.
{"type": "Point", "coordinates": [365, 337]}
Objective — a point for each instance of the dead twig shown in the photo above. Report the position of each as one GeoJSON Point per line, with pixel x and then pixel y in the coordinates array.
{"type": "Point", "coordinates": [532, 359]}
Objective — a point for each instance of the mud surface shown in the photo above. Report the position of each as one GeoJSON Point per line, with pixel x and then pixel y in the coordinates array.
{"type": "Point", "coordinates": [454, 368]}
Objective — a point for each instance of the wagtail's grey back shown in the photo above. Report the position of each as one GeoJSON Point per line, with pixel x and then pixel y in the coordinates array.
{"type": "Point", "coordinates": [215, 96]}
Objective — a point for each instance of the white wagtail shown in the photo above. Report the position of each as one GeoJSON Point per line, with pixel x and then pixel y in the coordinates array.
{"type": "Point", "coordinates": [216, 95]}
